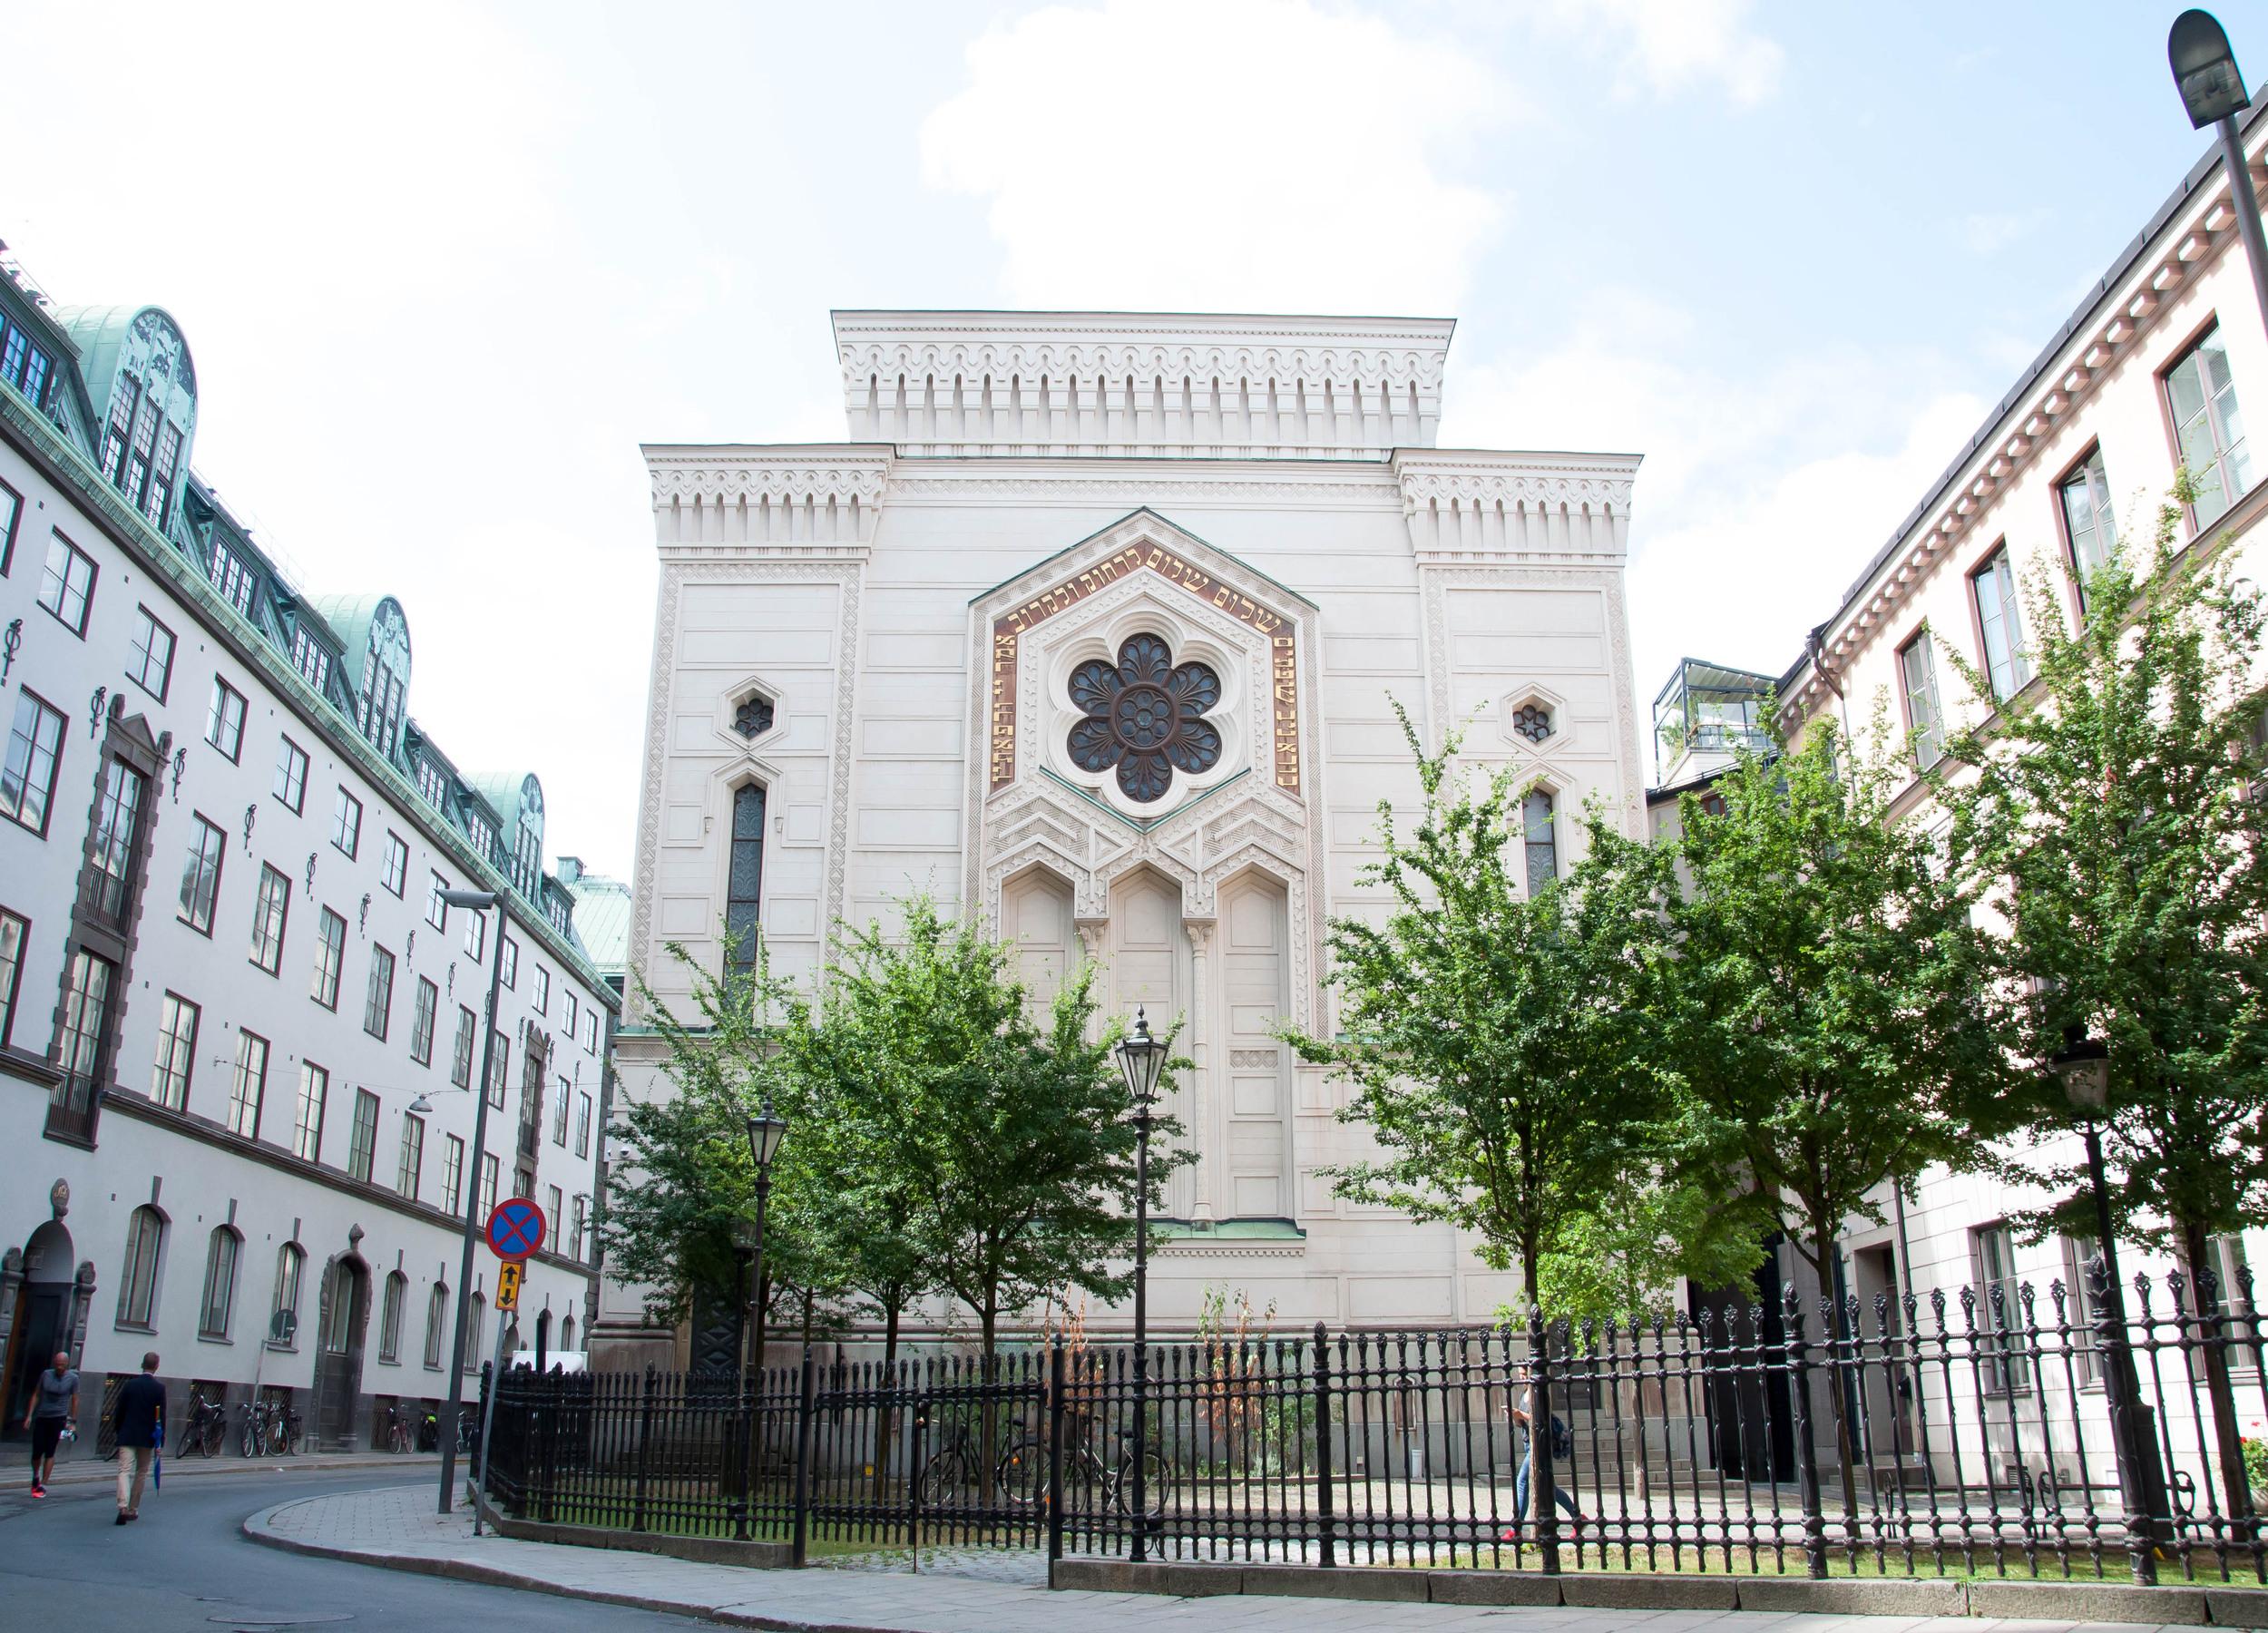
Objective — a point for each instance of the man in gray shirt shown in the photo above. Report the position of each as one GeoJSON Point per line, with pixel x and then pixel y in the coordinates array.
{"type": "Point", "coordinates": [55, 1403]}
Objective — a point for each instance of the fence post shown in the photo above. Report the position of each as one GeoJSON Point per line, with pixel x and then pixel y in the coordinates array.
{"type": "Point", "coordinates": [1542, 1490]}
{"type": "Point", "coordinates": [803, 1460]}
{"type": "Point", "coordinates": [1800, 1423]}
{"type": "Point", "coordinates": [913, 1475]}
{"type": "Point", "coordinates": [1055, 1451]}
{"type": "Point", "coordinates": [2122, 1396]}
{"type": "Point", "coordinates": [1325, 1554]}
{"type": "Point", "coordinates": [645, 1442]}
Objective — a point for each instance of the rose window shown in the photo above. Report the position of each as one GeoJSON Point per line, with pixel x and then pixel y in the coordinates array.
{"type": "Point", "coordinates": [1532, 721]}
{"type": "Point", "coordinates": [1142, 716]}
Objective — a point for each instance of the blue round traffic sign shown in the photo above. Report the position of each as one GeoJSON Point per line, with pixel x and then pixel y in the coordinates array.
{"type": "Point", "coordinates": [515, 1228]}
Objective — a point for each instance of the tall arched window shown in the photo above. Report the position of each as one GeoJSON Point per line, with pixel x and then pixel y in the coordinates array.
{"type": "Point", "coordinates": [138, 1287]}
{"type": "Point", "coordinates": [1544, 846]}
{"type": "Point", "coordinates": [567, 1335]}
{"type": "Point", "coordinates": [339, 1309]}
{"type": "Point", "coordinates": [474, 1347]}
{"type": "Point", "coordinates": [437, 1323]}
{"type": "Point", "coordinates": [219, 1301]}
{"type": "Point", "coordinates": [290, 1264]}
{"type": "Point", "coordinates": [742, 888]}
{"type": "Point", "coordinates": [390, 1317]}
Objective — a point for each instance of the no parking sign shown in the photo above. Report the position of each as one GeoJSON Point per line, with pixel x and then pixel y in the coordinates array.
{"type": "Point", "coordinates": [515, 1229]}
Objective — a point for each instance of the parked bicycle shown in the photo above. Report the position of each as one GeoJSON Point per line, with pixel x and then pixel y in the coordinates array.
{"type": "Point", "coordinates": [206, 1428]}
{"type": "Point", "coordinates": [951, 1477]}
{"type": "Point", "coordinates": [1025, 1470]}
{"type": "Point", "coordinates": [270, 1429]}
{"type": "Point", "coordinates": [396, 1434]}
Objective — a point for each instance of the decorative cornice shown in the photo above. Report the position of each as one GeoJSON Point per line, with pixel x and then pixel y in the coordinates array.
{"type": "Point", "coordinates": [786, 495]}
{"type": "Point", "coordinates": [1476, 506]}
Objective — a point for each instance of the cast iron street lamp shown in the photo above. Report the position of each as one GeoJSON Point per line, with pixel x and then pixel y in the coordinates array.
{"type": "Point", "coordinates": [766, 1131]}
{"type": "Point", "coordinates": [479, 901]}
{"type": "Point", "coordinates": [2083, 1064]}
{"type": "Point", "coordinates": [1142, 1057]}
{"type": "Point", "coordinates": [2213, 92]}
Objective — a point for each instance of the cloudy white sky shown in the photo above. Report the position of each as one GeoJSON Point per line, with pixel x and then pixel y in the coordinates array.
{"type": "Point", "coordinates": [443, 267]}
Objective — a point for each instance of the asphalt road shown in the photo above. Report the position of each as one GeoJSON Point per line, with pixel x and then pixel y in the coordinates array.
{"type": "Point", "coordinates": [66, 1566]}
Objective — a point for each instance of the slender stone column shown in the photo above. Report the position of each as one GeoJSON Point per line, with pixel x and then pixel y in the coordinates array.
{"type": "Point", "coordinates": [1196, 1188]}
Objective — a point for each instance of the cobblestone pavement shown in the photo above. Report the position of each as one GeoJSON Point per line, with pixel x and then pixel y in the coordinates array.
{"type": "Point", "coordinates": [396, 1526]}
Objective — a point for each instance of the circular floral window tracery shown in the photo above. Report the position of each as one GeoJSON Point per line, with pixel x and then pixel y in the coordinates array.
{"type": "Point", "coordinates": [1142, 715]}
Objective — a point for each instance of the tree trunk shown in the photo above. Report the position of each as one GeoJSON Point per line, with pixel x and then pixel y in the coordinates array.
{"type": "Point", "coordinates": [1823, 1246]}
{"type": "Point", "coordinates": [883, 1426]}
{"type": "Point", "coordinates": [2228, 1451]}
{"type": "Point", "coordinates": [989, 1418]}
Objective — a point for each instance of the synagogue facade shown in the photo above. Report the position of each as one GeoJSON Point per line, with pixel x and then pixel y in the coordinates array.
{"type": "Point", "coordinates": [1097, 627]}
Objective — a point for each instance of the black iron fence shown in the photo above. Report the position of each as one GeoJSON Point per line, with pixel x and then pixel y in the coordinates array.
{"type": "Point", "coordinates": [2006, 1433]}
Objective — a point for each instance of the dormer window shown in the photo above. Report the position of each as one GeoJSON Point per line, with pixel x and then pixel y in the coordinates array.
{"type": "Point", "coordinates": [433, 785]}
{"type": "Point", "coordinates": [22, 364]}
{"type": "Point", "coordinates": [233, 577]}
{"type": "Point", "coordinates": [310, 660]}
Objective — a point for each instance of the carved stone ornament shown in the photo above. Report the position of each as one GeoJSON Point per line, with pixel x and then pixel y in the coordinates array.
{"type": "Point", "coordinates": [251, 813]}
{"type": "Point", "coordinates": [1143, 716]}
{"type": "Point", "coordinates": [59, 1197]}
{"type": "Point", "coordinates": [94, 711]}
{"type": "Point", "coordinates": [181, 764]}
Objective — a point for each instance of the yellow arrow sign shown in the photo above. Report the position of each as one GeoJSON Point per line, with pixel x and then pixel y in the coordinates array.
{"type": "Point", "coordinates": [508, 1286]}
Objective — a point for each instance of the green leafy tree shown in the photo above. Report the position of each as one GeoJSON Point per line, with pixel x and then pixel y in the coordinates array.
{"type": "Point", "coordinates": [1824, 1004]}
{"type": "Point", "coordinates": [2115, 807]}
{"type": "Point", "coordinates": [1492, 1035]}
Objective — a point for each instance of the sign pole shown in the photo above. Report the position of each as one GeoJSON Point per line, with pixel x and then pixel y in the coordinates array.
{"type": "Point", "coordinates": [488, 1409]}
{"type": "Point", "coordinates": [516, 1228]}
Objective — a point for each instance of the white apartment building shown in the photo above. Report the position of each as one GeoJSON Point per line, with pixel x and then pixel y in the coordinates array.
{"type": "Point", "coordinates": [239, 1028]}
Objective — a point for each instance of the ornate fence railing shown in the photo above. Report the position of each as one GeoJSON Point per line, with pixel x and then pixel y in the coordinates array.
{"type": "Point", "coordinates": [2006, 1433]}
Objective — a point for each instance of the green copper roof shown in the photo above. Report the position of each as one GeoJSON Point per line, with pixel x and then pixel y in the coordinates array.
{"type": "Point", "coordinates": [100, 333]}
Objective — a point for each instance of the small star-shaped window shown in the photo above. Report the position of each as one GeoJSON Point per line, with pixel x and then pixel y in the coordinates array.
{"type": "Point", "coordinates": [1143, 717]}
{"type": "Point", "coordinates": [754, 715]}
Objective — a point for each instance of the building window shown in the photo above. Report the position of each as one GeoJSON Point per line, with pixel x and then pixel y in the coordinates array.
{"type": "Point", "coordinates": [575, 1236]}
{"type": "Point", "coordinates": [177, 1052]}
{"type": "Point", "coordinates": [476, 936]}
{"type": "Point", "coordinates": [117, 841]}
{"type": "Point", "coordinates": [752, 716]}
{"type": "Point", "coordinates": [395, 873]}
{"type": "Point", "coordinates": [542, 990]}
{"type": "Point", "coordinates": [433, 785]}
{"type": "Point", "coordinates": [224, 720]}
{"type": "Point", "coordinates": [306, 1128]}
{"type": "Point", "coordinates": [330, 957]}
{"type": "Point", "coordinates": [290, 786]}
{"type": "Point", "coordinates": [560, 1099]}
{"type": "Point", "coordinates": [490, 1167]}
{"type": "Point", "coordinates": [27, 785]}
{"type": "Point", "coordinates": [436, 909]}
{"type": "Point", "coordinates": [378, 709]}
{"type": "Point", "coordinates": [572, 1017]}
{"type": "Point", "coordinates": [2090, 524]}
{"type": "Point", "coordinates": [452, 1174]}
{"type": "Point", "coordinates": [554, 1215]}
{"type": "Point", "coordinates": [138, 460]}
{"type": "Point", "coordinates": [2006, 662]}
{"type": "Point", "coordinates": [377, 1006]}
{"type": "Point", "coordinates": [362, 1140]}
{"type": "Point", "coordinates": [347, 822]}
{"type": "Point", "coordinates": [155, 503]}
{"type": "Point", "coordinates": [220, 1299]}
{"type": "Point", "coordinates": [248, 1087]}
{"type": "Point", "coordinates": [460, 1059]}
{"type": "Point", "coordinates": [437, 1323]}
{"type": "Point", "coordinates": [66, 584]}
{"type": "Point", "coordinates": [14, 930]}
{"type": "Point", "coordinates": [410, 1168]}
{"type": "Point", "coordinates": [1532, 721]}
{"type": "Point", "coordinates": [233, 576]}
{"type": "Point", "coordinates": [86, 1002]}
{"type": "Point", "coordinates": [390, 1318]}
{"type": "Point", "coordinates": [484, 836]}
{"type": "Point", "coordinates": [590, 1031]}
{"type": "Point", "coordinates": [267, 918]}
{"type": "Point", "coordinates": [582, 1125]}
{"type": "Point", "coordinates": [499, 1067]}
{"type": "Point", "coordinates": [290, 1264]}
{"type": "Point", "coordinates": [1537, 817]}
{"type": "Point", "coordinates": [1993, 1252]}
{"type": "Point", "coordinates": [200, 876]}
{"type": "Point", "coordinates": [744, 884]}
{"type": "Point", "coordinates": [508, 961]}
{"type": "Point", "coordinates": [2209, 427]}
{"type": "Point", "coordinates": [310, 660]}
{"type": "Point", "coordinates": [150, 663]}
{"type": "Point", "coordinates": [1917, 672]}
{"type": "Point", "coordinates": [477, 1334]}
{"type": "Point", "coordinates": [11, 512]}
{"type": "Point", "coordinates": [22, 364]}
{"type": "Point", "coordinates": [121, 422]}
{"type": "Point", "coordinates": [421, 1021]}
{"type": "Point", "coordinates": [2079, 1310]}
{"type": "Point", "coordinates": [138, 1287]}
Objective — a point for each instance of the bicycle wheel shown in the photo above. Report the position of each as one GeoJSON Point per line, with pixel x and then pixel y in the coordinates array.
{"type": "Point", "coordinates": [948, 1482]}
{"type": "Point", "coordinates": [191, 1437]}
{"type": "Point", "coordinates": [247, 1437]}
{"type": "Point", "coordinates": [1156, 1483]}
{"type": "Point", "coordinates": [212, 1433]}
{"type": "Point", "coordinates": [1021, 1478]}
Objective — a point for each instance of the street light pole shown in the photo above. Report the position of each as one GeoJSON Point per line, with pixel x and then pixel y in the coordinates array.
{"type": "Point", "coordinates": [1142, 1057]}
{"type": "Point", "coordinates": [2213, 92]}
{"type": "Point", "coordinates": [766, 1131]}
{"type": "Point", "coordinates": [479, 901]}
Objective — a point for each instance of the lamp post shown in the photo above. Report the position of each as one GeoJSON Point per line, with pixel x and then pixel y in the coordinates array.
{"type": "Point", "coordinates": [766, 1131]}
{"type": "Point", "coordinates": [479, 901]}
{"type": "Point", "coordinates": [2213, 93]}
{"type": "Point", "coordinates": [1141, 1057]}
{"type": "Point", "coordinates": [2083, 1064]}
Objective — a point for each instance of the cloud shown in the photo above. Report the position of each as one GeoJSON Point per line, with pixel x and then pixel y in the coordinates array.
{"type": "Point", "coordinates": [1210, 154]}
{"type": "Point", "coordinates": [1681, 43]}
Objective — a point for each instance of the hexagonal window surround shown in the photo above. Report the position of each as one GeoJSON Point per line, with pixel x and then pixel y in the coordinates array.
{"type": "Point", "coordinates": [1536, 721]}
{"type": "Point", "coordinates": [752, 715]}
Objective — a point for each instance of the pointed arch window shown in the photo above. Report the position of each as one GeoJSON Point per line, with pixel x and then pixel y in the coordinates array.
{"type": "Point", "coordinates": [1538, 815]}
{"type": "Point", "coordinates": [219, 1301]}
{"type": "Point", "coordinates": [744, 888]}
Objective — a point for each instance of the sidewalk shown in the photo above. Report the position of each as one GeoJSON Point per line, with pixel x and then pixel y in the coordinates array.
{"type": "Point", "coordinates": [95, 1470]}
{"type": "Point", "coordinates": [396, 1527]}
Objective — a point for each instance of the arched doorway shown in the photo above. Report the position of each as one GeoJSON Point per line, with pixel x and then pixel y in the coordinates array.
{"type": "Point", "coordinates": [41, 1317]}
{"type": "Point", "coordinates": [341, 1323]}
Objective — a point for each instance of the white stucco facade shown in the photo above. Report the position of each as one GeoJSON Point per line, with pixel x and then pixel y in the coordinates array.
{"type": "Point", "coordinates": [932, 609]}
